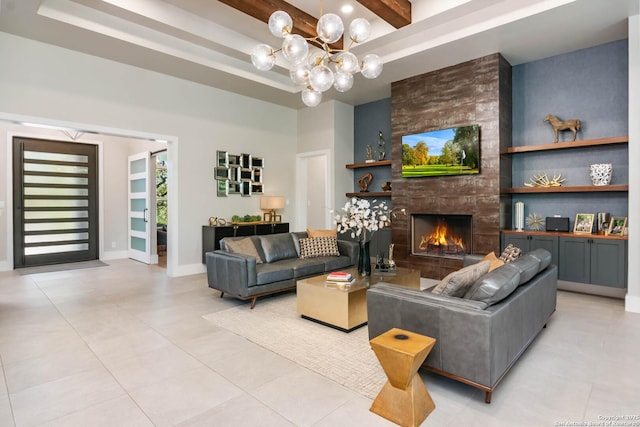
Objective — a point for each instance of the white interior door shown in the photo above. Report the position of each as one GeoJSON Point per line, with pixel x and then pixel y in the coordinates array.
{"type": "Point", "coordinates": [317, 192]}
{"type": "Point", "coordinates": [139, 232]}
{"type": "Point", "coordinates": [314, 191]}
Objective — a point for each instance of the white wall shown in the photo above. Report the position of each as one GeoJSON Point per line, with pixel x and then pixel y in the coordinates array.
{"type": "Point", "coordinates": [57, 86]}
{"type": "Point", "coordinates": [344, 140]}
{"type": "Point", "coordinates": [632, 301]}
{"type": "Point", "coordinates": [329, 126]}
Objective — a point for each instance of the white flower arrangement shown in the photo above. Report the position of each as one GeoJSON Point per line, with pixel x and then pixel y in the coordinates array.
{"type": "Point", "coordinates": [362, 217]}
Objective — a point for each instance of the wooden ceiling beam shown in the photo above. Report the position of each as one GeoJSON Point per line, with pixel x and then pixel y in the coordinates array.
{"type": "Point", "coordinates": [303, 23]}
{"type": "Point", "coordinates": [395, 12]}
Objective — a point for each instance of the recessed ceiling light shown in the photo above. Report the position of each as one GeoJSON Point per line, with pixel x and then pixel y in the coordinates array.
{"type": "Point", "coordinates": [347, 8]}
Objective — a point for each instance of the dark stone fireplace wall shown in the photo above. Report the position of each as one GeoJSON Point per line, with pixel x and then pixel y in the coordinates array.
{"type": "Point", "coordinates": [474, 92]}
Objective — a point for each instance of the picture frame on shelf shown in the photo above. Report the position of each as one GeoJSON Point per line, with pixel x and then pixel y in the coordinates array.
{"type": "Point", "coordinates": [583, 223]}
{"type": "Point", "coordinates": [617, 225]}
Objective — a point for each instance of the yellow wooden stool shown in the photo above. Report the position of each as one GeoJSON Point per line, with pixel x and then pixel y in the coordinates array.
{"type": "Point", "coordinates": [404, 399]}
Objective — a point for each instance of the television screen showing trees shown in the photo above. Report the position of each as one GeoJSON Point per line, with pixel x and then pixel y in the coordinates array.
{"type": "Point", "coordinates": [454, 151]}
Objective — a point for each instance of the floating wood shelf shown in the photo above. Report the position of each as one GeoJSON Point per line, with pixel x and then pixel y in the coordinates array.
{"type": "Point", "coordinates": [370, 194]}
{"type": "Point", "coordinates": [571, 144]}
{"type": "Point", "coordinates": [569, 189]}
{"type": "Point", "coordinates": [369, 164]}
{"type": "Point", "coordinates": [566, 234]}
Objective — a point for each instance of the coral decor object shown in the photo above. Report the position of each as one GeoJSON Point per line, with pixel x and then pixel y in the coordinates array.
{"type": "Point", "coordinates": [535, 222]}
{"type": "Point", "coordinates": [542, 180]}
{"type": "Point", "coordinates": [601, 173]}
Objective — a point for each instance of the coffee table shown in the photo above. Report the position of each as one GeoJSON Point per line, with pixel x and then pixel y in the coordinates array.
{"type": "Point", "coordinates": [345, 308]}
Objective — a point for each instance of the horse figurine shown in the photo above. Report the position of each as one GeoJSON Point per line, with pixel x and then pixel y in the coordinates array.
{"type": "Point", "coordinates": [557, 124]}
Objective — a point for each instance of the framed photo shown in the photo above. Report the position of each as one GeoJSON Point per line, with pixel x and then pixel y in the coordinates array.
{"type": "Point", "coordinates": [583, 223]}
{"type": "Point", "coordinates": [617, 225]}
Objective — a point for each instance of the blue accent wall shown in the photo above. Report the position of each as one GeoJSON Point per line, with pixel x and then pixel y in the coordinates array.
{"type": "Point", "coordinates": [369, 119]}
{"type": "Point", "coordinates": [590, 85]}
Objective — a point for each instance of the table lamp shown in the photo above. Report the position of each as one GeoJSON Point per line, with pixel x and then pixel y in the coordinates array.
{"type": "Point", "coordinates": [271, 203]}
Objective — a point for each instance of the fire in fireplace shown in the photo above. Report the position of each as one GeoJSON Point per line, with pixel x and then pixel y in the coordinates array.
{"type": "Point", "coordinates": [441, 235]}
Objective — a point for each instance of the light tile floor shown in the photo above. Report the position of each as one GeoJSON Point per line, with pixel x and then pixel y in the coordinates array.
{"type": "Point", "coordinates": [124, 345]}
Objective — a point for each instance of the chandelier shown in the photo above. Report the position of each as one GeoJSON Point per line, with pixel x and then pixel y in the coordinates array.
{"type": "Point", "coordinates": [318, 69]}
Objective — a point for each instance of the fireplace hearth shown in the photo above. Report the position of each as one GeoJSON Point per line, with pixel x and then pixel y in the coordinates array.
{"type": "Point", "coordinates": [438, 235]}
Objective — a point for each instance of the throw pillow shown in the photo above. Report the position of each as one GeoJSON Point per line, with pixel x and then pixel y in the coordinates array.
{"type": "Point", "coordinates": [494, 260]}
{"type": "Point", "coordinates": [278, 246]}
{"type": "Point", "coordinates": [510, 253]}
{"type": "Point", "coordinates": [457, 283]}
{"type": "Point", "coordinates": [245, 247]}
{"type": "Point", "coordinates": [322, 233]}
{"type": "Point", "coordinates": [318, 246]}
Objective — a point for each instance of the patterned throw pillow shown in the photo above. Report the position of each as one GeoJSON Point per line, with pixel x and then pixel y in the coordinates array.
{"type": "Point", "coordinates": [245, 247]}
{"type": "Point", "coordinates": [318, 246]}
{"type": "Point", "coordinates": [456, 284]}
{"type": "Point", "coordinates": [510, 253]}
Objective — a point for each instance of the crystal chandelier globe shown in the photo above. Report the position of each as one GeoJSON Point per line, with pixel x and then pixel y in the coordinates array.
{"type": "Point", "coordinates": [318, 70]}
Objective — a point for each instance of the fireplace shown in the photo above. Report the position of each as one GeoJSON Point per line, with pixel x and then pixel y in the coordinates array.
{"type": "Point", "coordinates": [438, 235]}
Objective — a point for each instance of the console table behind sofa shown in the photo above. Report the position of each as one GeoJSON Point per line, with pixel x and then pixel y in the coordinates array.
{"type": "Point", "coordinates": [211, 235]}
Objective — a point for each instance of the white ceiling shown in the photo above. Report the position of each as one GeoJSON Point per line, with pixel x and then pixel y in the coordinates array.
{"type": "Point", "coordinates": [208, 42]}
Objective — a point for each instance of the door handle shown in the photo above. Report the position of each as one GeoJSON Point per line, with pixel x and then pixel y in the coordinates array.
{"type": "Point", "coordinates": [146, 215]}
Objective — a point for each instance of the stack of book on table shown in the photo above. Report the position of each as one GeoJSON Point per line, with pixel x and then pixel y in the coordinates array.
{"type": "Point", "coordinates": [340, 279]}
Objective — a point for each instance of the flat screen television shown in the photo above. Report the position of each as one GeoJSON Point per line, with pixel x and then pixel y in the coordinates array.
{"type": "Point", "coordinates": [454, 151]}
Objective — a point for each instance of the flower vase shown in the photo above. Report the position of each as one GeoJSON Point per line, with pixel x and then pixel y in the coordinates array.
{"type": "Point", "coordinates": [364, 261]}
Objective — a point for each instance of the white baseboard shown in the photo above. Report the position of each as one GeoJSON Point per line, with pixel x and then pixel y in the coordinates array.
{"type": "Point", "coordinates": [107, 255]}
{"type": "Point", "coordinates": [632, 304]}
{"type": "Point", "coordinates": [5, 266]}
{"type": "Point", "coordinates": [188, 270]}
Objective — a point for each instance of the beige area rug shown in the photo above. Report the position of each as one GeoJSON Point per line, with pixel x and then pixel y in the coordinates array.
{"type": "Point", "coordinates": [274, 324]}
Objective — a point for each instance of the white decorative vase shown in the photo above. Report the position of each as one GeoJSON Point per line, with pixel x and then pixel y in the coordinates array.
{"type": "Point", "coordinates": [519, 216]}
{"type": "Point", "coordinates": [601, 173]}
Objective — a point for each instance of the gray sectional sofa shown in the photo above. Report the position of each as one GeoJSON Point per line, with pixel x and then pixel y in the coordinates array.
{"type": "Point", "coordinates": [477, 340]}
{"type": "Point", "coordinates": [275, 267]}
